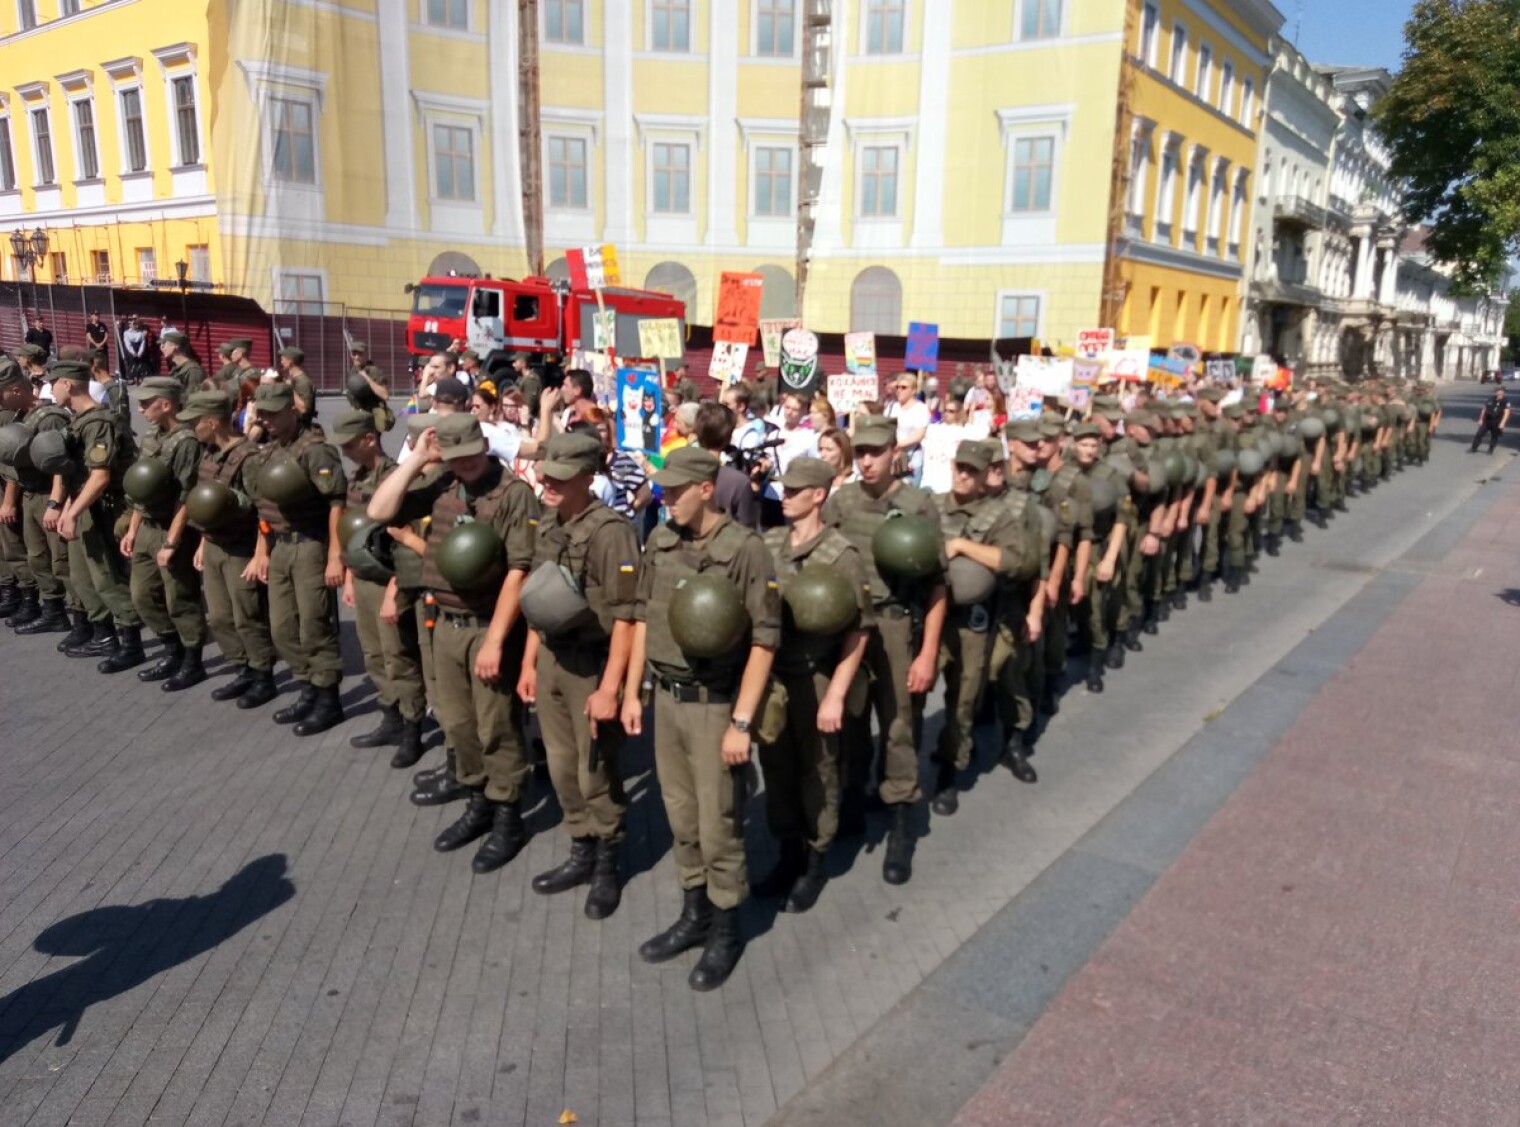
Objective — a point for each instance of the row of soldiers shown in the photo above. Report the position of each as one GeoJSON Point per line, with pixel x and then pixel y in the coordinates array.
{"type": "Point", "coordinates": [475, 597]}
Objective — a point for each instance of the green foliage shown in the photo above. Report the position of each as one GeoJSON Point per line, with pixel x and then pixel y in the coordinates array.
{"type": "Point", "coordinates": [1452, 121]}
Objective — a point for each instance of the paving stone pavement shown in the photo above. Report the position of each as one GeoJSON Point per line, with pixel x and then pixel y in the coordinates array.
{"type": "Point", "coordinates": [204, 920]}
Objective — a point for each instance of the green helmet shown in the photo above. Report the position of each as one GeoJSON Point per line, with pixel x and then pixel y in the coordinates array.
{"type": "Point", "coordinates": [1189, 470]}
{"type": "Point", "coordinates": [359, 391]}
{"type": "Point", "coordinates": [352, 523]}
{"type": "Point", "coordinates": [284, 481]}
{"type": "Point", "coordinates": [1105, 494]}
{"type": "Point", "coordinates": [472, 556]}
{"type": "Point", "coordinates": [969, 581]}
{"type": "Point", "coordinates": [14, 440]}
{"type": "Point", "coordinates": [1426, 409]}
{"type": "Point", "coordinates": [210, 505]}
{"type": "Point", "coordinates": [1331, 418]}
{"type": "Point", "coordinates": [906, 547]}
{"type": "Point", "coordinates": [1292, 446]}
{"type": "Point", "coordinates": [147, 481]}
{"type": "Point", "coordinates": [370, 553]}
{"type": "Point", "coordinates": [1224, 461]}
{"type": "Point", "coordinates": [1171, 465]}
{"type": "Point", "coordinates": [1370, 422]}
{"type": "Point", "coordinates": [1269, 443]}
{"type": "Point", "coordinates": [820, 600]}
{"type": "Point", "coordinates": [1311, 427]}
{"type": "Point", "coordinates": [552, 600]}
{"type": "Point", "coordinates": [1249, 462]}
{"type": "Point", "coordinates": [50, 451]}
{"type": "Point", "coordinates": [707, 616]}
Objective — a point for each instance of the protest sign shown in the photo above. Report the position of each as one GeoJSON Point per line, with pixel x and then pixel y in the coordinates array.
{"type": "Point", "coordinates": [1219, 371]}
{"type": "Point", "coordinates": [799, 362]}
{"type": "Point", "coordinates": [1092, 343]}
{"type": "Point", "coordinates": [604, 330]}
{"type": "Point", "coordinates": [660, 337]}
{"type": "Point", "coordinates": [923, 347]}
{"type": "Point", "coordinates": [1047, 375]}
{"type": "Point", "coordinates": [1024, 403]}
{"type": "Point", "coordinates": [1086, 371]}
{"type": "Point", "coordinates": [727, 365]}
{"type": "Point", "coordinates": [639, 414]}
{"type": "Point", "coordinates": [737, 320]}
{"type": "Point", "coordinates": [849, 390]}
{"type": "Point", "coordinates": [772, 329]}
{"type": "Point", "coordinates": [1129, 365]}
{"type": "Point", "coordinates": [860, 352]}
{"type": "Point", "coordinates": [1263, 368]}
{"type": "Point", "coordinates": [593, 267]}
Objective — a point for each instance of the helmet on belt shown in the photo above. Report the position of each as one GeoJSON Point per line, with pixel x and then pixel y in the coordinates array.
{"type": "Point", "coordinates": [14, 440]}
{"type": "Point", "coordinates": [147, 481]}
{"type": "Point", "coordinates": [370, 553]}
{"type": "Point", "coordinates": [1189, 469]}
{"type": "Point", "coordinates": [1173, 467]}
{"type": "Point", "coordinates": [1370, 422]}
{"type": "Point", "coordinates": [1105, 494]}
{"type": "Point", "coordinates": [707, 615]}
{"type": "Point", "coordinates": [552, 600]}
{"type": "Point", "coordinates": [353, 522]}
{"type": "Point", "coordinates": [1224, 461]}
{"type": "Point", "coordinates": [906, 546]}
{"type": "Point", "coordinates": [211, 504]}
{"type": "Point", "coordinates": [1269, 442]}
{"type": "Point", "coordinates": [1290, 446]}
{"type": "Point", "coordinates": [49, 451]}
{"type": "Point", "coordinates": [1311, 427]}
{"type": "Point", "coordinates": [820, 600]}
{"type": "Point", "coordinates": [1426, 408]}
{"type": "Point", "coordinates": [1331, 418]}
{"type": "Point", "coordinates": [471, 556]}
{"type": "Point", "coordinates": [1249, 462]}
{"type": "Point", "coordinates": [969, 581]}
{"type": "Point", "coordinates": [361, 393]}
{"type": "Point", "coordinates": [284, 481]}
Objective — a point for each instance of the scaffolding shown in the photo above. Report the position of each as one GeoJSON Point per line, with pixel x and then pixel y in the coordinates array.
{"type": "Point", "coordinates": [816, 111]}
{"type": "Point", "coordinates": [1115, 285]}
{"type": "Point", "coordinates": [529, 145]}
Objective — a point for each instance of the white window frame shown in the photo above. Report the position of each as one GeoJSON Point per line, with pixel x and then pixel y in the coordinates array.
{"type": "Point", "coordinates": [179, 61]}
{"type": "Point", "coordinates": [691, 28]}
{"type": "Point", "coordinates": [9, 142]}
{"type": "Point", "coordinates": [1227, 88]}
{"type": "Point", "coordinates": [190, 253]}
{"type": "Point", "coordinates": [471, 193]}
{"type": "Point", "coordinates": [672, 227]}
{"type": "Point", "coordinates": [671, 145]}
{"type": "Point", "coordinates": [451, 215]}
{"type": "Point", "coordinates": [1142, 130]}
{"type": "Point", "coordinates": [1022, 7]}
{"type": "Point", "coordinates": [281, 303]}
{"type": "Point", "coordinates": [776, 232]}
{"type": "Point", "coordinates": [549, 197]}
{"type": "Point", "coordinates": [870, 232]}
{"type": "Point", "coordinates": [1192, 214]}
{"type": "Point", "coordinates": [26, 15]}
{"type": "Point", "coordinates": [1247, 100]}
{"type": "Point", "coordinates": [446, 28]}
{"type": "Point", "coordinates": [1203, 75]}
{"type": "Point", "coordinates": [1150, 33]}
{"type": "Point", "coordinates": [126, 75]}
{"type": "Point", "coordinates": [137, 261]}
{"type": "Point", "coordinates": [1037, 296]}
{"type": "Point", "coordinates": [791, 181]}
{"type": "Point", "coordinates": [1019, 123]}
{"type": "Point", "coordinates": [1164, 228]}
{"type": "Point", "coordinates": [562, 42]}
{"type": "Point", "coordinates": [32, 111]}
{"type": "Point", "coordinates": [565, 225]}
{"type": "Point", "coordinates": [754, 30]}
{"type": "Point", "coordinates": [1219, 202]}
{"type": "Point", "coordinates": [1177, 60]}
{"type": "Point", "coordinates": [865, 31]}
{"type": "Point", "coordinates": [899, 162]}
{"type": "Point", "coordinates": [1240, 199]}
{"type": "Point", "coordinates": [85, 154]}
{"type": "Point", "coordinates": [100, 277]}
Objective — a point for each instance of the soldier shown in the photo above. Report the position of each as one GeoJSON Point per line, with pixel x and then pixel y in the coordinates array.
{"type": "Point", "coordinates": [184, 364]}
{"type": "Point", "coordinates": [367, 389]}
{"type": "Point", "coordinates": [236, 610]}
{"type": "Point", "coordinates": [1108, 497]}
{"type": "Point", "coordinates": [226, 378]}
{"type": "Point", "coordinates": [293, 369]}
{"type": "Point", "coordinates": [1492, 420]}
{"type": "Point", "coordinates": [817, 683]}
{"type": "Point", "coordinates": [114, 391]}
{"type": "Point", "coordinates": [1072, 556]}
{"type": "Point", "coordinates": [903, 653]}
{"type": "Point", "coordinates": [17, 585]}
{"type": "Point", "coordinates": [704, 708]}
{"type": "Point", "coordinates": [577, 660]}
{"type": "Point", "coordinates": [391, 654]}
{"type": "Point", "coordinates": [299, 486]}
{"type": "Point", "coordinates": [93, 486]}
{"type": "Point", "coordinates": [242, 361]}
{"type": "Point", "coordinates": [165, 585]}
{"type": "Point", "coordinates": [476, 579]}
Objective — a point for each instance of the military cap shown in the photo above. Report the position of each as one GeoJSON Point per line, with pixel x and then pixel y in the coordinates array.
{"type": "Point", "coordinates": [33, 352]}
{"type": "Point", "coordinates": [523, 356]}
{"type": "Point", "coordinates": [359, 346]}
{"type": "Point", "coordinates": [158, 387]}
{"type": "Point", "coordinates": [293, 354]}
{"type": "Point", "coordinates": [350, 425]}
{"type": "Point", "coordinates": [808, 473]}
{"type": "Point", "coordinates": [1052, 426]}
{"type": "Point", "coordinates": [875, 431]}
{"type": "Point", "coordinates": [274, 397]}
{"type": "Point", "coordinates": [971, 452]}
{"type": "Point", "coordinates": [1146, 419]}
{"type": "Point", "coordinates": [76, 370]}
{"type": "Point", "coordinates": [1023, 430]}
{"type": "Point", "coordinates": [470, 354]}
{"type": "Point", "coordinates": [460, 436]}
{"type": "Point", "coordinates": [11, 373]}
{"type": "Point", "coordinates": [996, 452]}
{"type": "Point", "coordinates": [1087, 430]}
{"type": "Point", "coordinates": [688, 465]}
{"type": "Point", "coordinates": [225, 348]}
{"type": "Point", "coordinates": [1236, 410]}
{"type": "Point", "coordinates": [451, 390]}
{"type": "Point", "coordinates": [242, 342]}
{"type": "Point", "coordinates": [207, 404]}
{"type": "Point", "coordinates": [1209, 394]}
{"type": "Point", "coordinates": [571, 455]}
{"type": "Point", "coordinates": [175, 337]}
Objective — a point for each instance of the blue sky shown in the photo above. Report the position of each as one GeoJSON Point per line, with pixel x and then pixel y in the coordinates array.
{"type": "Point", "coordinates": [1348, 32]}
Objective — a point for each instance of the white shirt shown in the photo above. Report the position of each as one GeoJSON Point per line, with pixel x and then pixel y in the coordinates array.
{"type": "Point", "coordinates": [502, 443]}
{"type": "Point", "coordinates": [797, 443]}
{"type": "Point", "coordinates": [910, 416]}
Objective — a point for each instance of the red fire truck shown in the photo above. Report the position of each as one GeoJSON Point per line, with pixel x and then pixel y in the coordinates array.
{"type": "Point", "coordinates": [498, 316]}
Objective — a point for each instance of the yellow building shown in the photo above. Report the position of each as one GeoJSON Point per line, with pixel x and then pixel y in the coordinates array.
{"type": "Point", "coordinates": [305, 152]}
{"type": "Point", "coordinates": [1194, 75]}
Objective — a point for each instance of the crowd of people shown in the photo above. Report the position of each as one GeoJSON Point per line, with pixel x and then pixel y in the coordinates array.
{"type": "Point", "coordinates": [771, 585]}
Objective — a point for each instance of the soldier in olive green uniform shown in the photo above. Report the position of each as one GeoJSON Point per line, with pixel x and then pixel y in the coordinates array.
{"type": "Point", "coordinates": [299, 487]}
{"type": "Point", "coordinates": [1101, 586]}
{"type": "Point", "coordinates": [480, 635]}
{"type": "Point", "coordinates": [236, 610]}
{"type": "Point", "coordinates": [903, 653]}
{"type": "Point", "coordinates": [817, 687]}
{"type": "Point", "coordinates": [1217, 451]}
{"type": "Point", "coordinates": [392, 657]}
{"type": "Point", "coordinates": [226, 377]}
{"type": "Point", "coordinates": [367, 389]}
{"type": "Point", "coordinates": [577, 660]}
{"type": "Point", "coordinates": [184, 364]}
{"type": "Point", "coordinates": [18, 587]}
{"type": "Point", "coordinates": [95, 504]}
{"type": "Point", "coordinates": [704, 709]}
{"type": "Point", "coordinates": [1068, 497]}
{"type": "Point", "coordinates": [166, 587]}
{"type": "Point", "coordinates": [292, 367]}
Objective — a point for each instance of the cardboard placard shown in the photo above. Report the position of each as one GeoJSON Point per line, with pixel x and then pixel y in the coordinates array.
{"type": "Point", "coordinates": [1087, 371]}
{"type": "Point", "coordinates": [593, 267]}
{"type": "Point", "coordinates": [640, 416]}
{"type": "Point", "coordinates": [1129, 365]}
{"type": "Point", "coordinates": [923, 347]}
{"type": "Point", "coordinates": [604, 330]}
{"type": "Point", "coordinates": [1219, 371]}
{"type": "Point", "coordinates": [1092, 343]}
{"type": "Point", "coordinates": [737, 320]}
{"type": "Point", "coordinates": [860, 352]}
{"type": "Point", "coordinates": [660, 337]}
{"type": "Point", "coordinates": [799, 362]}
{"type": "Point", "coordinates": [1024, 403]}
{"type": "Point", "coordinates": [1263, 368]}
{"type": "Point", "coordinates": [848, 390]}
{"type": "Point", "coordinates": [772, 329]}
{"type": "Point", "coordinates": [1047, 375]}
{"type": "Point", "coordinates": [727, 365]}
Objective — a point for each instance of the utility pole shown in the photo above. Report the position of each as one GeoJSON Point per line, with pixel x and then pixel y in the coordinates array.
{"type": "Point", "coordinates": [1111, 301]}
{"type": "Point", "coordinates": [529, 140]}
{"type": "Point", "coordinates": [817, 108]}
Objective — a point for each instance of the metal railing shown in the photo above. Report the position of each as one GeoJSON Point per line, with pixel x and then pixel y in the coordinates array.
{"type": "Point", "coordinates": [1297, 209]}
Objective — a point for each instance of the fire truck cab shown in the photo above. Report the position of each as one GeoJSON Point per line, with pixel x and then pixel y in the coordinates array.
{"type": "Point", "coordinates": [499, 316]}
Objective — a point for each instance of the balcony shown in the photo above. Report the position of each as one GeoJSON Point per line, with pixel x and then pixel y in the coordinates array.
{"type": "Point", "coordinates": [1276, 292]}
{"type": "Point", "coordinates": [1296, 211]}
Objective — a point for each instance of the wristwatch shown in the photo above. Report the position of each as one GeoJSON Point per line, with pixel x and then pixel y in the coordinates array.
{"type": "Point", "coordinates": [56, 506]}
{"type": "Point", "coordinates": [741, 726]}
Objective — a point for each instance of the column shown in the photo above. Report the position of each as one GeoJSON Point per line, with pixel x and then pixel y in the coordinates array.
{"type": "Point", "coordinates": [617, 108]}
{"type": "Point", "coordinates": [722, 130]}
{"type": "Point", "coordinates": [395, 82]}
{"type": "Point", "coordinates": [1362, 279]}
{"type": "Point", "coordinates": [933, 111]}
{"type": "Point", "coordinates": [506, 152]}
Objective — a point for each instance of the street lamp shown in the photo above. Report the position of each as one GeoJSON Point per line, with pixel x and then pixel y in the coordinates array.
{"type": "Point", "coordinates": [182, 272]}
{"type": "Point", "coordinates": [29, 251]}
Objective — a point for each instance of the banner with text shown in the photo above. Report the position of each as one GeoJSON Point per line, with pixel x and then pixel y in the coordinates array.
{"type": "Point", "coordinates": [737, 320]}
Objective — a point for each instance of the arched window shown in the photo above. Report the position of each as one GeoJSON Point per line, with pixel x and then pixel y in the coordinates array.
{"type": "Point", "coordinates": [876, 302]}
{"type": "Point", "coordinates": [453, 262]}
{"type": "Point", "coordinates": [676, 280]}
{"type": "Point", "coordinates": [780, 295]}
{"type": "Point", "coordinates": [558, 269]}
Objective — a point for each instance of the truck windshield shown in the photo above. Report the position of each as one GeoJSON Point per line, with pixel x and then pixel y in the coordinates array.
{"type": "Point", "coordinates": [440, 301]}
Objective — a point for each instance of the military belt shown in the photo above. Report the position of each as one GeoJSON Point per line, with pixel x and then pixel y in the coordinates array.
{"type": "Point", "coordinates": [292, 537]}
{"type": "Point", "coordinates": [459, 619]}
{"type": "Point", "coordinates": [894, 610]}
{"type": "Point", "coordinates": [693, 692]}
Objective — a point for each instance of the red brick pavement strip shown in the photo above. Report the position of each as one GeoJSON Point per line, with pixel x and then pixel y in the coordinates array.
{"type": "Point", "coordinates": [1341, 943]}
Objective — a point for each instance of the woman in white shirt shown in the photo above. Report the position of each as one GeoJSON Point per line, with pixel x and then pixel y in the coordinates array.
{"type": "Point", "coordinates": [912, 415]}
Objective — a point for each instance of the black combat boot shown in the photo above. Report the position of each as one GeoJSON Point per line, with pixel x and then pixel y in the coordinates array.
{"type": "Point", "coordinates": [129, 651]}
{"type": "Point", "coordinates": [852, 812]}
{"type": "Point", "coordinates": [1132, 639]}
{"type": "Point", "coordinates": [442, 787]}
{"type": "Point", "coordinates": [721, 952]}
{"type": "Point", "coordinates": [897, 866]}
{"type": "Point", "coordinates": [1150, 622]}
{"type": "Point", "coordinates": [690, 929]}
{"type": "Point", "coordinates": [507, 837]}
{"type": "Point", "coordinates": [1231, 579]}
{"type": "Point", "coordinates": [10, 599]}
{"type": "Point", "coordinates": [53, 619]}
{"type": "Point", "coordinates": [809, 885]}
{"type": "Point", "coordinates": [386, 734]}
{"type": "Point", "coordinates": [575, 871]}
{"type": "Point", "coordinates": [1273, 545]}
{"type": "Point", "coordinates": [409, 746]}
{"type": "Point", "coordinates": [102, 643]}
{"type": "Point", "coordinates": [1161, 609]}
{"type": "Point", "coordinates": [298, 709]}
{"type": "Point", "coordinates": [1295, 531]}
{"type": "Point", "coordinates": [1179, 599]}
{"type": "Point", "coordinates": [328, 713]}
{"type": "Point", "coordinates": [80, 632]}
{"type": "Point", "coordinates": [1050, 699]}
{"type": "Point", "coordinates": [1206, 589]}
{"type": "Point", "coordinates": [191, 671]}
{"type": "Point", "coordinates": [1095, 677]}
{"type": "Point", "coordinates": [27, 610]}
{"type": "Point", "coordinates": [235, 687]}
{"type": "Point", "coordinates": [429, 775]}
{"type": "Point", "coordinates": [473, 823]}
{"type": "Point", "coordinates": [261, 691]}
{"type": "Point", "coordinates": [1016, 753]}
{"type": "Point", "coordinates": [606, 885]}
{"type": "Point", "coordinates": [1114, 658]}
{"type": "Point", "coordinates": [788, 867]}
{"type": "Point", "coordinates": [947, 796]}
{"type": "Point", "coordinates": [167, 664]}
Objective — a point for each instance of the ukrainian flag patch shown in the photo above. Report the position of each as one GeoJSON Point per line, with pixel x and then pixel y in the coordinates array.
{"type": "Point", "coordinates": [626, 568]}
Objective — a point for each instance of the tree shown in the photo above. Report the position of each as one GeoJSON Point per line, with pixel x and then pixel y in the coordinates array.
{"type": "Point", "coordinates": [1512, 331]}
{"type": "Point", "coordinates": [1452, 121]}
